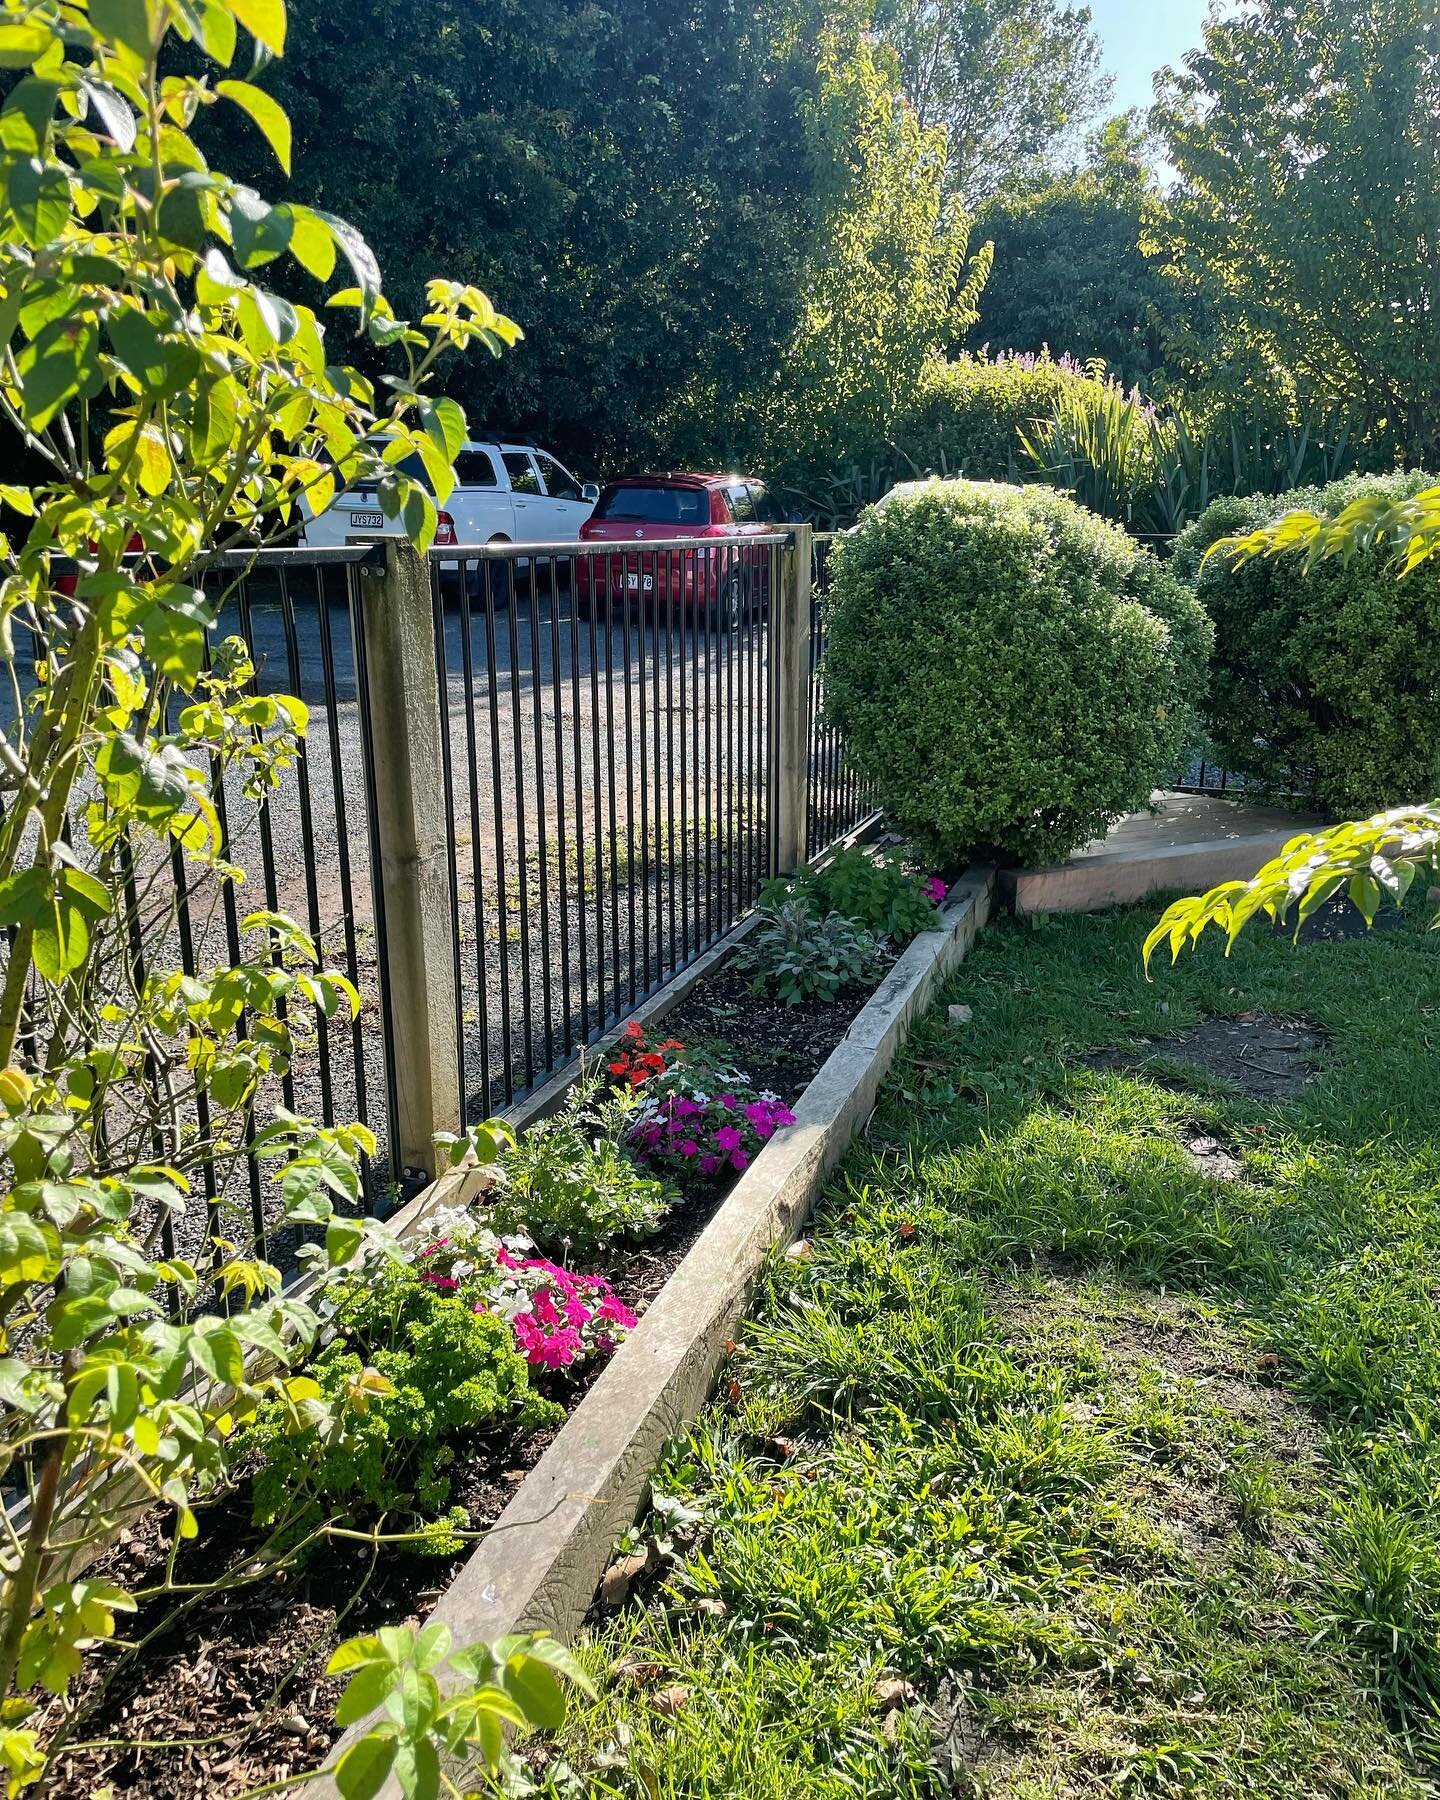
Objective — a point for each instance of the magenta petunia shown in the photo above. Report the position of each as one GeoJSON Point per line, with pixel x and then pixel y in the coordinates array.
{"type": "Point", "coordinates": [727, 1138]}
{"type": "Point", "coordinates": [739, 1159]}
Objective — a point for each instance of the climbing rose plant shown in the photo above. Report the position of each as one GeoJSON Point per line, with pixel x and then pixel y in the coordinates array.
{"type": "Point", "coordinates": [175, 403]}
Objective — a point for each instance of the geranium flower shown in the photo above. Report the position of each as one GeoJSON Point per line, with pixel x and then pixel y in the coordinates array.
{"type": "Point", "coordinates": [727, 1138]}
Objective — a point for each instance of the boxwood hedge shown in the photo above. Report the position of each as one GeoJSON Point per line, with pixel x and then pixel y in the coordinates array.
{"type": "Point", "coordinates": [1325, 683]}
{"type": "Point", "coordinates": [1012, 672]}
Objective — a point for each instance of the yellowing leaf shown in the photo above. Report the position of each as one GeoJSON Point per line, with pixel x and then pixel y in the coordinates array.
{"type": "Point", "coordinates": [264, 20]}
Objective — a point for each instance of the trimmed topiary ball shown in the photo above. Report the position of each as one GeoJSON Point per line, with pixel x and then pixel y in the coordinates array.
{"type": "Point", "coordinates": [1325, 684]}
{"type": "Point", "coordinates": [1012, 672]}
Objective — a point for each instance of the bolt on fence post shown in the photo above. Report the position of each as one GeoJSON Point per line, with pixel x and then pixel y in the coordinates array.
{"type": "Point", "coordinates": [790, 703]}
{"type": "Point", "coordinates": [412, 827]}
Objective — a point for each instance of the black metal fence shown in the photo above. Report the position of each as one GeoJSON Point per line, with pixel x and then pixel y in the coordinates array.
{"type": "Point", "coordinates": [608, 748]}
{"type": "Point", "coordinates": [840, 803]}
{"type": "Point", "coordinates": [606, 728]}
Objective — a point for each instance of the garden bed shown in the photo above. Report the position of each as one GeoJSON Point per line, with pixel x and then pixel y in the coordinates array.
{"type": "Point", "coordinates": [234, 1694]}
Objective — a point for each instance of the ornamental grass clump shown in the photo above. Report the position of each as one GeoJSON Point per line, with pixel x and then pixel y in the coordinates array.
{"type": "Point", "coordinates": [1010, 671]}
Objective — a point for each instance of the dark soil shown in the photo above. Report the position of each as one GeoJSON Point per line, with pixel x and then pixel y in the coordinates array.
{"type": "Point", "coordinates": [1267, 1058]}
{"type": "Point", "coordinates": [781, 1048]}
{"type": "Point", "coordinates": [233, 1694]}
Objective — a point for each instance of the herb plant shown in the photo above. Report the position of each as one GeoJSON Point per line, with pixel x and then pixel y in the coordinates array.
{"type": "Point", "coordinates": [794, 956]}
{"type": "Point", "coordinates": [569, 1183]}
{"type": "Point", "coordinates": [409, 1368]}
{"type": "Point", "coordinates": [879, 893]}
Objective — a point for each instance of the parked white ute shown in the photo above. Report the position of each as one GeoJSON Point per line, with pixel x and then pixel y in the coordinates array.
{"type": "Point", "coordinates": [504, 493]}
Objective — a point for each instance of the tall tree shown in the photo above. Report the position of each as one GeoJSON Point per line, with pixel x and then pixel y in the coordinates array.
{"type": "Point", "coordinates": [1306, 134]}
{"type": "Point", "coordinates": [1010, 81]}
{"type": "Point", "coordinates": [1069, 273]}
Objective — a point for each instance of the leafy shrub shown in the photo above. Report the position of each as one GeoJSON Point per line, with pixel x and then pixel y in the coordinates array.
{"type": "Point", "coordinates": [1326, 681]}
{"type": "Point", "coordinates": [569, 1183]}
{"type": "Point", "coordinates": [796, 956]}
{"type": "Point", "coordinates": [698, 1124]}
{"type": "Point", "coordinates": [559, 1319]}
{"type": "Point", "coordinates": [965, 417]}
{"type": "Point", "coordinates": [407, 1370]}
{"type": "Point", "coordinates": [878, 893]}
{"type": "Point", "coordinates": [1012, 672]}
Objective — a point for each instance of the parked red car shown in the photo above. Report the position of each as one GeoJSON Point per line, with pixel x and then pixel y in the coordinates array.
{"type": "Point", "coordinates": [727, 574]}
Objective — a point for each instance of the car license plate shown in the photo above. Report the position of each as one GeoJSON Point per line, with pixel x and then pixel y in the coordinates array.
{"type": "Point", "coordinates": [366, 521]}
{"type": "Point", "coordinates": [640, 584]}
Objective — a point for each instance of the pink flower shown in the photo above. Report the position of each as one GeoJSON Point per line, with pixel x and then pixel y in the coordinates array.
{"type": "Point", "coordinates": [505, 1259]}
{"type": "Point", "coordinates": [739, 1159]}
{"type": "Point", "coordinates": [543, 1308]}
{"type": "Point", "coordinates": [617, 1313]}
{"type": "Point", "coordinates": [443, 1284]}
{"type": "Point", "coordinates": [709, 1164]}
{"type": "Point", "coordinates": [681, 1108]}
{"type": "Point", "coordinates": [577, 1313]}
{"type": "Point", "coordinates": [553, 1350]}
{"type": "Point", "coordinates": [936, 889]}
{"type": "Point", "coordinates": [727, 1138]}
{"type": "Point", "coordinates": [728, 1102]}
{"type": "Point", "coordinates": [689, 1148]}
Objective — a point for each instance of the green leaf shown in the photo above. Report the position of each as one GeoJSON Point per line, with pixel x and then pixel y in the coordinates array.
{"type": "Point", "coordinates": [128, 21]}
{"type": "Point", "coordinates": [312, 243]}
{"type": "Point", "coordinates": [112, 111]}
{"type": "Point", "coordinates": [22, 43]}
{"type": "Point", "coordinates": [362, 1770]}
{"type": "Point", "coordinates": [343, 1238]}
{"type": "Point", "coordinates": [365, 1693]}
{"type": "Point", "coordinates": [258, 231]}
{"type": "Point", "coordinates": [267, 113]}
{"type": "Point", "coordinates": [29, 1249]}
{"type": "Point", "coordinates": [264, 20]}
{"type": "Point", "coordinates": [39, 197]}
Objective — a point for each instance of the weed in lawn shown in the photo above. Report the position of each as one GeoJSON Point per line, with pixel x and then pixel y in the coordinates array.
{"type": "Point", "coordinates": [1122, 1466]}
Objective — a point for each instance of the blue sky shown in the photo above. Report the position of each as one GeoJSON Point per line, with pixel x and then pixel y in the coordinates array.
{"type": "Point", "coordinates": [1141, 36]}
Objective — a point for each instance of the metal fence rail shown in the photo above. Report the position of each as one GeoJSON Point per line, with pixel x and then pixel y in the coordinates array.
{"type": "Point", "coordinates": [840, 803]}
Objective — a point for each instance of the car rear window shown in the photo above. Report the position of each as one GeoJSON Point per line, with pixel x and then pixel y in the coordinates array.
{"type": "Point", "coordinates": [655, 505]}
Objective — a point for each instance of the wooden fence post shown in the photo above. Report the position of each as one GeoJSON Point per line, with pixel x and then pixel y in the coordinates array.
{"type": "Point", "coordinates": [790, 714]}
{"type": "Point", "coordinates": [412, 826]}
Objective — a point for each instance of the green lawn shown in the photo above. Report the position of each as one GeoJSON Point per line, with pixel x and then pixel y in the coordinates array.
{"type": "Point", "coordinates": [1062, 1466]}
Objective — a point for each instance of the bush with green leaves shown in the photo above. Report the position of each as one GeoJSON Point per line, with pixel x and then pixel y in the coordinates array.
{"type": "Point", "coordinates": [1326, 680]}
{"type": "Point", "coordinates": [407, 1370]}
{"type": "Point", "coordinates": [569, 1183]}
{"type": "Point", "coordinates": [965, 417]}
{"type": "Point", "coordinates": [1011, 672]}
{"type": "Point", "coordinates": [793, 955]}
{"type": "Point", "coordinates": [878, 892]}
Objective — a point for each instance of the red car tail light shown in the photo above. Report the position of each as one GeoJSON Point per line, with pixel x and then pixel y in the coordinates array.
{"type": "Point", "coordinates": [445, 530]}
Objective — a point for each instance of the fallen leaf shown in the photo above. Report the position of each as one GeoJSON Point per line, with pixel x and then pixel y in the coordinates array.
{"type": "Point", "coordinates": [1246, 1018]}
{"type": "Point", "coordinates": [735, 1392]}
{"type": "Point", "coordinates": [961, 1015]}
{"type": "Point", "coordinates": [712, 1609]}
{"type": "Point", "coordinates": [799, 1250]}
{"type": "Point", "coordinates": [784, 1446]}
{"type": "Point", "coordinates": [671, 1700]}
{"type": "Point", "coordinates": [906, 1229]}
{"type": "Point", "coordinates": [891, 1691]}
{"type": "Point", "coordinates": [616, 1582]}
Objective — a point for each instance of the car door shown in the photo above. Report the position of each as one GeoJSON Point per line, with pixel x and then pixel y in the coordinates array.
{"type": "Point", "coordinates": [480, 503]}
{"type": "Point", "coordinates": [527, 497]}
{"type": "Point", "coordinates": [567, 507]}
